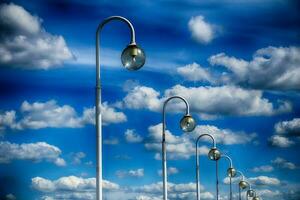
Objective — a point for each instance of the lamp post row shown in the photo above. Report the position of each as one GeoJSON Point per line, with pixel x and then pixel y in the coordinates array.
{"type": "Point", "coordinates": [133, 58]}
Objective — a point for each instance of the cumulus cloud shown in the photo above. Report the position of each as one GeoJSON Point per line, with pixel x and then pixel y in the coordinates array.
{"type": "Point", "coordinates": [170, 170]}
{"type": "Point", "coordinates": [36, 152]}
{"type": "Point", "coordinates": [283, 164]}
{"type": "Point", "coordinates": [264, 180]}
{"type": "Point", "coordinates": [263, 168]}
{"type": "Point", "coordinates": [111, 141]}
{"type": "Point", "coordinates": [207, 101]}
{"type": "Point", "coordinates": [70, 187]}
{"type": "Point", "coordinates": [288, 128]}
{"type": "Point", "coordinates": [24, 43]}
{"type": "Point", "coordinates": [10, 197]}
{"type": "Point", "coordinates": [132, 137]}
{"type": "Point", "coordinates": [73, 187]}
{"type": "Point", "coordinates": [130, 173]}
{"type": "Point", "coordinates": [228, 100]}
{"type": "Point", "coordinates": [265, 70]}
{"type": "Point", "coordinates": [183, 146]}
{"type": "Point", "coordinates": [178, 147]}
{"type": "Point", "coordinates": [77, 157]}
{"type": "Point", "coordinates": [280, 141]}
{"type": "Point", "coordinates": [223, 136]}
{"type": "Point", "coordinates": [176, 191]}
{"type": "Point", "coordinates": [194, 72]}
{"type": "Point", "coordinates": [201, 31]}
{"type": "Point", "coordinates": [142, 97]}
{"type": "Point", "coordinates": [287, 133]}
{"type": "Point", "coordinates": [49, 114]}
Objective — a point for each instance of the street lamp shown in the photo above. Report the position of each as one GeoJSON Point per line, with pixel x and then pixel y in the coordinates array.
{"type": "Point", "coordinates": [187, 124]}
{"type": "Point", "coordinates": [231, 172]}
{"type": "Point", "coordinates": [213, 154]}
{"type": "Point", "coordinates": [133, 58]}
{"type": "Point", "coordinates": [256, 197]}
{"type": "Point", "coordinates": [251, 193]}
{"type": "Point", "coordinates": [242, 184]}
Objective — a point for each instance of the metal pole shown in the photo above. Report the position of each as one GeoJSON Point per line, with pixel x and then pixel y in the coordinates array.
{"type": "Point", "coordinates": [197, 162]}
{"type": "Point", "coordinates": [230, 180]}
{"type": "Point", "coordinates": [98, 114]}
{"type": "Point", "coordinates": [230, 183]}
{"type": "Point", "coordinates": [164, 152]}
{"type": "Point", "coordinates": [217, 179]}
{"type": "Point", "coordinates": [243, 178]}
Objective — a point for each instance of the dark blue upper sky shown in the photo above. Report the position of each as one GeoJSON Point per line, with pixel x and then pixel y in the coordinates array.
{"type": "Point", "coordinates": [236, 62]}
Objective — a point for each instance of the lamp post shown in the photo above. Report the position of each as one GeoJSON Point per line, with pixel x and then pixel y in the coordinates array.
{"type": "Point", "coordinates": [133, 58]}
{"type": "Point", "coordinates": [231, 172]}
{"type": "Point", "coordinates": [187, 124]}
{"type": "Point", "coordinates": [251, 193]}
{"type": "Point", "coordinates": [256, 197]}
{"type": "Point", "coordinates": [213, 154]}
{"type": "Point", "coordinates": [242, 184]}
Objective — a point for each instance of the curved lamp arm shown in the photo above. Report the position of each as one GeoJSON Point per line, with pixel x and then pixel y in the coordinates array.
{"type": "Point", "coordinates": [241, 174]}
{"type": "Point", "coordinates": [228, 158]}
{"type": "Point", "coordinates": [164, 152]}
{"type": "Point", "coordinates": [98, 99]}
{"type": "Point", "coordinates": [100, 26]}
{"type": "Point", "coordinates": [197, 161]}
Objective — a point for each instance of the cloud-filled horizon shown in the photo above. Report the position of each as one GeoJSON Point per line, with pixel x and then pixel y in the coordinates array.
{"type": "Point", "coordinates": [236, 63]}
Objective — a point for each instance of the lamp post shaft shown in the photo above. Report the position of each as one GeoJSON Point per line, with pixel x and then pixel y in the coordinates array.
{"type": "Point", "coordinates": [230, 178]}
{"type": "Point", "coordinates": [164, 151]}
{"type": "Point", "coordinates": [98, 113]}
{"type": "Point", "coordinates": [217, 179]}
{"type": "Point", "coordinates": [230, 183]}
{"type": "Point", "coordinates": [198, 164]}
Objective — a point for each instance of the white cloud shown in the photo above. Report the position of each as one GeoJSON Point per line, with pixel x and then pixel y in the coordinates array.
{"type": "Point", "coordinates": [71, 187]}
{"type": "Point", "coordinates": [111, 141]}
{"type": "Point", "coordinates": [285, 133]}
{"type": "Point", "coordinates": [176, 191]}
{"type": "Point", "coordinates": [132, 137]}
{"type": "Point", "coordinates": [141, 97]}
{"type": "Point", "coordinates": [283, 164]}
{"type": "Point", "coordinates": [223, 136]}
{"type": "Point", "coordinates": [264, 180]}
{"type": "Point", "coordinates": [228, 100]}
{"type": "Point", "coordinates": [288, 128]}
{"type": "Point", "coordinates": [202, 31]}
{"type": "Point", "coordinates": [26, 44]}
{"type": "Point", "coordinates": [36, 152]}
{"type": "Point", "coordinates": [49, 114]}
{"type": "Point", "coordinates": [194, 72]}
{"type": "Point", "coordinates": [10, 197]}
{"type": "Point", "coordinates": [263, 168]}
{"type": "Point", "coordinates": [280, 141]}
{"type": "Point", "coordinates": [183, 146]}
{"type": "Point", "coordinates": [77, 157]}
{"type": "Point", "coordinates": [170, 170]}
{"type": "Point", "coordinates": [265, 70]}
{"type": "Point", "coordinates": [130, 173]}
{"type": "Point", "coordinates": [178, 147]}
{"type": "Point", "coordinates": [209, 101]}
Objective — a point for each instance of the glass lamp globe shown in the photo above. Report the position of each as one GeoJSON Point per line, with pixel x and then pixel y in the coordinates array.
{"type": "Point", "coordinates": [133, 57]}
{"type": "Point", "coordinates": [250, 193]}
{"type": "Point", "coordinates": [187, 123]}
{"type": "Point", "coordinates": [214, 154]}
{"type": "Point", "coordinates": [256, 198]}
{"type": "Point", "coordinates": [243, 184]}
{"type": "Point", "coordinates": [231, 172]}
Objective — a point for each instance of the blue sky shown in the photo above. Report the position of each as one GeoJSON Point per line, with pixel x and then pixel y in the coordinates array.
{"type": "Point", "coordinates": [236, 62]}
